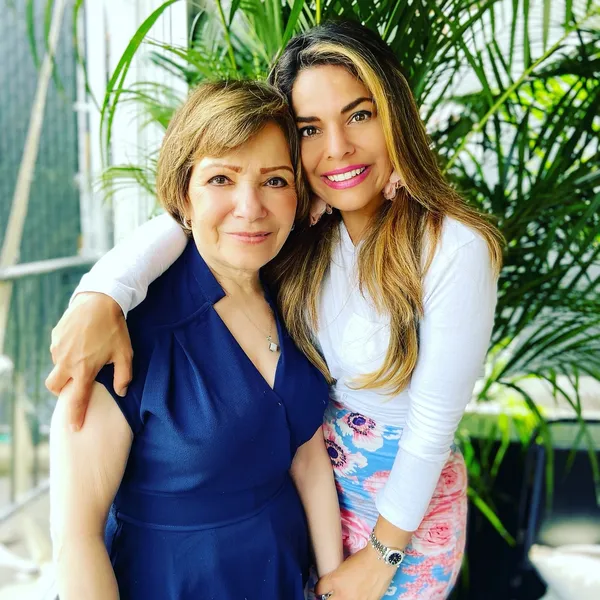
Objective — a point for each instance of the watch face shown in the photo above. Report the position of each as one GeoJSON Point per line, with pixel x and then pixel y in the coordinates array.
{"type": "Point", "coordinates": [394, 558]}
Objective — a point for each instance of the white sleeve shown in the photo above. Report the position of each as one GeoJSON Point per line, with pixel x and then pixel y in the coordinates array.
{"type": "Point", "coordinates": [125, 272]}
{"type": "Point", "coordinates": [454, 335]}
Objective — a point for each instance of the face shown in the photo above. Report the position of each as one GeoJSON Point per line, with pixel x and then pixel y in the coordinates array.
{"type": "Point", "coordinates": [242, 205]}
{"type": "Point", "coordinates": [344, 154]}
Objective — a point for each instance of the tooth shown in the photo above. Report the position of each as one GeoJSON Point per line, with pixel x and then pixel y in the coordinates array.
{"type": "Point", "coordinates": [345, 176]}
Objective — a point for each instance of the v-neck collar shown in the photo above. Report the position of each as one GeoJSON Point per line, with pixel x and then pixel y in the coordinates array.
{"type": "Point", "coordinates": [213, 291]}
{"type": "Point", "coordinates": [346, 241]}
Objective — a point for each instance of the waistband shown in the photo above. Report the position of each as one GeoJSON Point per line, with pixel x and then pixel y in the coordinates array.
{"type": "Point", "coordinates": [195, 510]}
{"type": "Point", "coordinates": [337, 411]}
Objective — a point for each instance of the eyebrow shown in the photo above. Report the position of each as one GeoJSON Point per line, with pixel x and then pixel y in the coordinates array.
{"type": "Point", "coordinates": [354, 104]}
{"type": "Point", "coordinates": [223, 166]}
{"type": "Point", "coordinates": [239, 169]}
{"type": "Point", "coordinates": [269, 169]}
{"type": "Point", "coordinates": [344, 110]}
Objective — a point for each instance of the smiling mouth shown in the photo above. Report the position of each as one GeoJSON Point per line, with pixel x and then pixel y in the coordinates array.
{"type": "Point", "coordinates": [346, 176]}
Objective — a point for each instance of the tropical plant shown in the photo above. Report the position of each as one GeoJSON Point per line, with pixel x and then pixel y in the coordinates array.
{"type": "Point", "coordinates": [510, 96]}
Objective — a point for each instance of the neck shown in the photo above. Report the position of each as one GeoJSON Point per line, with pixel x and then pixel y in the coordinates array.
{"type": "Point", "coordinates": [240, 283]}
{"type": "Point", "coordinates": [236, 282]}
{"type": "Point", "coordinates": [357, 221]}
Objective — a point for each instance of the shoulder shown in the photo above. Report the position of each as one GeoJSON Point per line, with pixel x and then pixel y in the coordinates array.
{"type": "Point", "coordinates": [172, 298]}
{"type": "Point", "coordinates": [456, 236]}
{"type": "Point", "coordinates": [461, 265]}
{"type": "Point", "coordinates": [459, 243]}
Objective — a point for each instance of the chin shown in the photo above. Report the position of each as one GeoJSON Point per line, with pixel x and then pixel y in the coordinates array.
{"type": "Point", "coordinates": [251, 260]}
{"type": "Point", "coordinates": [352, 204]}
{"type": "Point", "coordinates": [352, 200]}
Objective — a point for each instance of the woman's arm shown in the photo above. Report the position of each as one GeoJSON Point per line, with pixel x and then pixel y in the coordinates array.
{"type": "Point", "coordinates": [312, 473]}
{"type": "Point", "coordinates": [125, 272]}
{"type": "Point", "coordinates": [92, 332]}
{"type": "Point", "coordinates": [86, 471]}
{"type": "Point", "coordinates": [454, 334]}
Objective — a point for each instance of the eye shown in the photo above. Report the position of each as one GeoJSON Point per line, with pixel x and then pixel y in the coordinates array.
{"type": "Point", "coordinates": [219, 180]}
{"type": "Point", "coordinates": [361, 115]}
{"type": "Point", "coordinates": [309, 131]}
{"type": "Point", "coordinates": [276, 182]}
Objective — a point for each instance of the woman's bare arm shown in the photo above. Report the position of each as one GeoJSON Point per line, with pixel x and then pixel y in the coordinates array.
{"type": "Point", "coordinates": [313, 475]}
{"type": "Point", "coordinates": [85, 473]}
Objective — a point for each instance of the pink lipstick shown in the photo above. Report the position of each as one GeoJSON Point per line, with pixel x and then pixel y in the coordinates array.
{"type": "Point", "coordinates": [346, 177]}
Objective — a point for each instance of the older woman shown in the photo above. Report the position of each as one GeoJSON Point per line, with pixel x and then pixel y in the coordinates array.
{"type": "Point", "coordinates": [195, 466]}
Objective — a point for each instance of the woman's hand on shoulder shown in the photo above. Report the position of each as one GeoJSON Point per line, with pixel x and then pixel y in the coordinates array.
{"type": "Point", "coordinates": [362, 576]}
{"type": "Point", "coordinates": [91, 333]}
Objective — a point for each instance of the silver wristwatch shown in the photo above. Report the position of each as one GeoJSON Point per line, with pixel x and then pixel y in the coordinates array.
{"type": "Point", "coordinates": [390, 556]}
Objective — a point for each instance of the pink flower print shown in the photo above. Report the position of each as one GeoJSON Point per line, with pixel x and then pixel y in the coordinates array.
{"type": "Point", "coordinates": [375, 483]}
{"type": "Point", "coordinates": [422, 583]}
{"type": "Point", "coordinates": [318, 207]}
{"type": "Point", "coordinates": [435, 536]}
{"type": "Point", "coordinates": [343, 461]}
{"type": "Point", "coordinates": [364, 431]}
{"type": "Point", "coordinates": [453, 478]}
{"type": "Point", "coordinates": [355, 532]}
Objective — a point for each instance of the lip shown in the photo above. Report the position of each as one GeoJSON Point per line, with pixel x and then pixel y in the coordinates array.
{"type": "Point", "coordinates": [349, 183]}
{"type": "Point", "coordinates": [250, 237]}
{"type": "Point", "coordinates": [343, 170]}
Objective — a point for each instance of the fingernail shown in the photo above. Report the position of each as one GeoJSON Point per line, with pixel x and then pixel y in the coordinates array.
{"type": "Point", "coordinates": [74, 428]}
{"type": "Point", "coordinates": [123, 392]}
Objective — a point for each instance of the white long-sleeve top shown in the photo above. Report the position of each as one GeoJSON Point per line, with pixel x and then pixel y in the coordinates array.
{"type": "Point", "coordinates": [459, 302]}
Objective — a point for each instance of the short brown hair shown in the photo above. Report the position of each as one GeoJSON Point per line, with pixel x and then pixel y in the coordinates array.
{"type": "Point", "coordinates": [216, 118]}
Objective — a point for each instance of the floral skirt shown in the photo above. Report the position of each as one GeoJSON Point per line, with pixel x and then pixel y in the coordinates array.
{"type": "Point", "coordinates": [362, 453]}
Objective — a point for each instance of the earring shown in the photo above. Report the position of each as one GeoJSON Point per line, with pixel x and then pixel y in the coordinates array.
{"type": "Point", "coordinates": [395, 182]}
{"type": "Point", "coordinates": [318, 207]}
{"type": "Point", "coordinates": [293, 227]}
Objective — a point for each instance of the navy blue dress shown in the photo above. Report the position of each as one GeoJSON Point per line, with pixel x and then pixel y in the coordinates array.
{"type": "Point", "coordinates": [207, 509]}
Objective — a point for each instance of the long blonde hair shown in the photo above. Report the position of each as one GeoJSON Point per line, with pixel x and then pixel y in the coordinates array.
{"type": "Point", "coordinates": [390, 262]}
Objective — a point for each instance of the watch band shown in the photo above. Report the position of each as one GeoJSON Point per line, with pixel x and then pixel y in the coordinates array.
{"type": "Point", "coordinates": [391, 556]}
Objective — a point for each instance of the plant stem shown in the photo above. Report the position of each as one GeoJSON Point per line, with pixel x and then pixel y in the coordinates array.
{"type": "Point", "coordinates": [227, 37]}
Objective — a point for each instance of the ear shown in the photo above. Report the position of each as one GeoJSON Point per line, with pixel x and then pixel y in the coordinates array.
{"type": "Point", "coordinates": [187, 214]}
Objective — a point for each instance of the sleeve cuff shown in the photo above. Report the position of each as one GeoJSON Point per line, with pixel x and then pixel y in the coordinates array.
{"type": "Point", "coordinates": [407, 494]}
{"type": "Point", "coordinates": [121, 294]}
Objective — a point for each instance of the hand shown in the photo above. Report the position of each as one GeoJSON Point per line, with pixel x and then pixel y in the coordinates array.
{"type": "Point", "coordinates": [91, 333]}
{"type": "Point", "coordinates": [361, 577]}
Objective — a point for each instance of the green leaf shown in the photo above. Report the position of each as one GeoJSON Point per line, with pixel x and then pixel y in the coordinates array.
{"type": "Point", "coordinates": [30, 22]}
{"type": "Point", "coordinates": [292, 22]}
{"type": "Point", "coordinates": [546, 22]}
{"type": "Point", "coordinates": [117, 80]}
{"type": "Point", "coordinates": [491, 516]}
{"type": "Point", "coordinates": [235, 4]}
{"type": "Point", "coordinates": [80, 56]}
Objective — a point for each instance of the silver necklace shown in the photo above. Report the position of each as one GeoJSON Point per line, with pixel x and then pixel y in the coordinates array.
{"type": "Point", "coordinates": [273, 347]}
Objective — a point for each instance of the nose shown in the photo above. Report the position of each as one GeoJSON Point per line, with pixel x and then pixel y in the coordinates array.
{"type": "Point", "coordinates": [338, 143]}
{"type": "Point", "coordinates": [249, 204]}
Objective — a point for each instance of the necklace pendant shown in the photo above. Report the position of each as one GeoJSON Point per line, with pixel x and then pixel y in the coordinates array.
{"type": "Point", "coordinates": [273, 347]}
